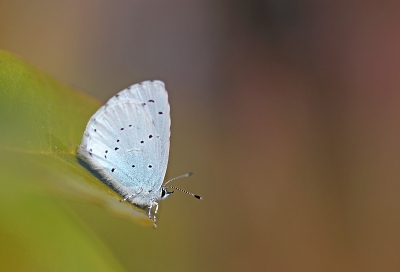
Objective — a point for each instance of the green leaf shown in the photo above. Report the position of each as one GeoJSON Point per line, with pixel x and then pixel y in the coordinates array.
{"type": "Point", "coordinates": [41, 125]}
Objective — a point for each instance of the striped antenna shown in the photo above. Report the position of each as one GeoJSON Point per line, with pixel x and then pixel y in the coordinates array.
{"type": "Point", "coordinates": [179, 189]}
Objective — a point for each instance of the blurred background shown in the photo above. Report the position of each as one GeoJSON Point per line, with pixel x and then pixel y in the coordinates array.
{"type": "Point", "coordinates": [288, 112]}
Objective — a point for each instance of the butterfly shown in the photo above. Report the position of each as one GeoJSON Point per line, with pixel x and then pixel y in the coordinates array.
{"type": "Point", "coordinates": [127, 142]}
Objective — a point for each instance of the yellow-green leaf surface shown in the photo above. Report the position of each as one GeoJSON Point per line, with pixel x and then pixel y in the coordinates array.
{"type": "Point", "coordinates": [41, 124]}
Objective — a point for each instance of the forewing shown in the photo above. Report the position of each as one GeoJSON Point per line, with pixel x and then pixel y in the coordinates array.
{"type": "Point", "coordinates": [154, 97]}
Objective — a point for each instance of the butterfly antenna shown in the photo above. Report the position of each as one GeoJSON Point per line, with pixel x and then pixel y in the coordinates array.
{"type": "Point", "coordinates": [178, 177]}
{"type": "Point", "coordinates": [179, 189]}
{"type": "Point", "coordinates": [189, 193]}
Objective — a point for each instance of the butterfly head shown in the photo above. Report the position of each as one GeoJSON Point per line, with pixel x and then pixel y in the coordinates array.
{"type": "Point", "coordinates": [165, 193]}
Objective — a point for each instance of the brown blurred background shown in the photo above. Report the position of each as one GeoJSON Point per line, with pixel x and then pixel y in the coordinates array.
{"type": "Point", "coordinates": [288, 111]}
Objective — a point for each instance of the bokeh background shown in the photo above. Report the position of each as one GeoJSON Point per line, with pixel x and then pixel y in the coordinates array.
{"type": "Point", "coordinates": [288, 112]}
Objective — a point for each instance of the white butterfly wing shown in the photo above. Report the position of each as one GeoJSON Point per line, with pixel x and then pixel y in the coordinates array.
{"type": "Point", "coordinates": [127, 140]}
{"type": "Point", "coordinates": [154, 95]}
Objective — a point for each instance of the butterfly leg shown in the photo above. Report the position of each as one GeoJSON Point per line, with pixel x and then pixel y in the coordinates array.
{"type": "Point", "coordinates": [150, 208]}
{"type": "Point", "coordinates": [140, 190]}
{"type": "Point", "coordinates": [153, 203]}
{"type": "Point", "coordinates": [155, 213]}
